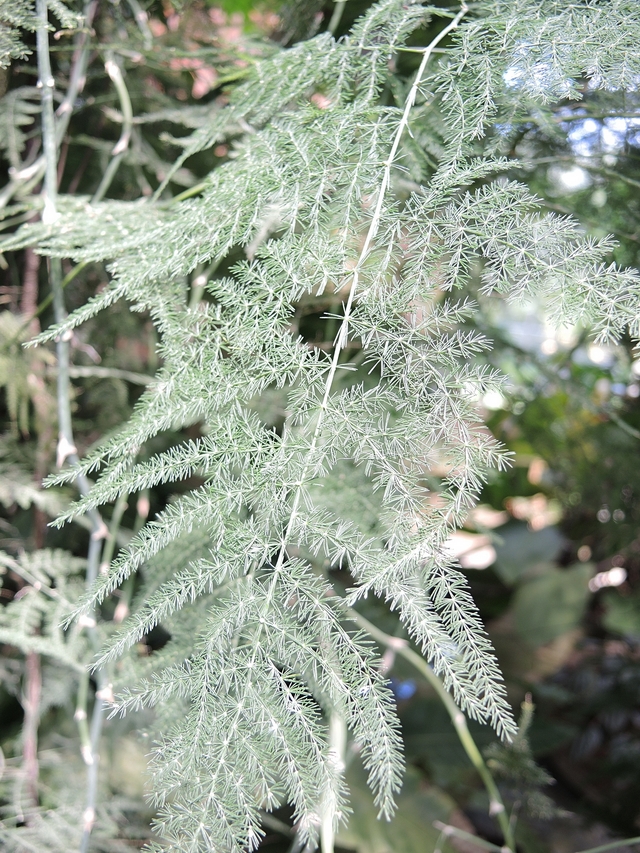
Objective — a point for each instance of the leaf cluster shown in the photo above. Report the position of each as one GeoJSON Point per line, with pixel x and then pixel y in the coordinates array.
{"type": "Point", "coordinates": [313, 205]}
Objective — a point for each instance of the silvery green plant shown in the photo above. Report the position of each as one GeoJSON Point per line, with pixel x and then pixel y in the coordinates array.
{"type": "Point", "coordinates": [377, 201]}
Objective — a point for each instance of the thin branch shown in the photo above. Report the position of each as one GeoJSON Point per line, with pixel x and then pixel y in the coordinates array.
{"type": "Point", "coordinates": [343, 333]}
{"type": "Point", "coordinates": [613, 845]}
{"type": "Point", "coordinates": [142, 21]}
{"type": "Point", "coordinates": [78, 72]}
{"type": "Point", "coordinates": [448, 831]}
{"type": "Point", "coordinates": [336, 17]}
{"type": "Point", "coordinates": [337, 744]}
{"type": "Point", "coordinates": [188, 193]}
{"type": "Point", "coordinates": [111, 373]}
{"type": "Point", "coordinates": [142, 512]}
{"type": "Point", "coordinates": [31, 707]}
{"type": "Point", "coordinates": [580, 160]}
{"type": "Point", "coordinates": [122, 145]}
{"type": "Point", "coordinates": [276, 825]}
{"type": "Point", "coordinates": [30, 175]}
{"type": "Point", "coordinates": [66, 446]}
{"type": "Point", "coordinates": [47, 84]}
{"type": "Point", "coordinates": [632, 431]}
{"type": "Point", "coordinates": [103, 693]}
{"type": "Point", "coordinates": [80, 717]}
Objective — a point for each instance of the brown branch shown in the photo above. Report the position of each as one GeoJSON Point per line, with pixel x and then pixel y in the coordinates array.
{"type": "Point", "coordinates": [31, 706]}
{"type": "Point", "coordinates": [29, 298]}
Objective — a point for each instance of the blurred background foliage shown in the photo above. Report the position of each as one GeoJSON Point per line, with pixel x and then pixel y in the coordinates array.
{"type": "Point", "coordinates": [553, 551]}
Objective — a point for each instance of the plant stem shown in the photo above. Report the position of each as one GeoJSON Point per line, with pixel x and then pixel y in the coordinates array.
{"type": "Point", "coordinates": [142, 20]}
{"type": "Point", "coordinates": [80, 717]}
{"type": "Point", "coordinates": [111, 373]}
{"type": "Point", "coordinates": [46, 83]}
{"type": "Point", "coordinates": [623, 425]}
{"type": "Point", "coordinates": [334, 23]}
{"type": "Point", "coordinates": [110, 542]}
{"type": "Point", "coordinates": [401, 647]}
{"type": "Point", "coordinates": [122, 145]}
{"type": "Point", "coordinates": [78, 72]}
{"type": "Point", "coordinates": [34, 172]}
{"type": "Point", "coordinates": [447, 830]}
{"type": "Point", "coordinates": [342, 337]}
{"type": "Point", "coordinates": [613, 845]}
{"type": "Point", "coordinates": [188, 193]}
{"type": "Point", "coordinates": [92, 755]}
{"type": "Point", "coordinates": [31, 706]}
{"type": "Point", "coordinates": [199, 283]}
{"type": "Point", "coordinates": [66, 446]}
{"type": "Point", "coordinates": [337, 744]}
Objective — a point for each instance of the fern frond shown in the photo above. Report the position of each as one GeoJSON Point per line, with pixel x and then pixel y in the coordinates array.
{"type": "Point", "coordinates": [17, 110]}
{"type": "Point", "coordinates": [31, 621]}
{"type": "Point", "coordinates": [385, 411]}
{"type": "Point", "coordinates": [17, 15]}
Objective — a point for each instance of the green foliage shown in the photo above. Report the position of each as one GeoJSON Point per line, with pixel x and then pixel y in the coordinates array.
{"type": "Point", "coordinates": [552, 603]}
{"type": "Point", "coordinates": [32, 621]}
{"type": "Point", "coordinates": [17, 15]}
{"type": "Point", "coordinates": [368, 202]}
{"type": "Point", "coordinates": [17, 109]}
{"type": "Point", "coordinates": [622, 615]}
{"type": "Point", "coordinates": [521, 551]}
{"type": "Point", "coordinates": [514, 763]}
{"type": "Point", "coordinates": [19, 375]}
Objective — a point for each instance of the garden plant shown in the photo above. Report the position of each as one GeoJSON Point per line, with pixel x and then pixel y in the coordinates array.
{"type": "Point", "coordinates": [278, 448]}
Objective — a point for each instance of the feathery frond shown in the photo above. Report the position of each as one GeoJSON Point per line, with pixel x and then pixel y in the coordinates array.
{"type": "Point", "coordinates": [386, 410]}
